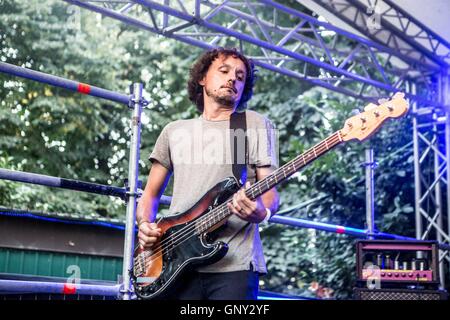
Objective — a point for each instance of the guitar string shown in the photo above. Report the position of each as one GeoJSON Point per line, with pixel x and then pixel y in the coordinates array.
{"type": "Point", "coordinates": [163, 245]}
{"type": "Point", "coordinates": [211, 217]}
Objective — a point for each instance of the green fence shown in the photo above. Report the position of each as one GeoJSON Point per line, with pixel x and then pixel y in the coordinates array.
{"type": "Point", "coordinates": [53, 264]}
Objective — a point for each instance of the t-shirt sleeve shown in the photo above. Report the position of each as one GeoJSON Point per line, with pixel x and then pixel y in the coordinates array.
{"type": "Point", "coordinates": [265, 152]}
{"type": "Point", "coordinates": [161, 150]}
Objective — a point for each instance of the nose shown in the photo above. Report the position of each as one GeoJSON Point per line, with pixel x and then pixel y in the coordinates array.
{"type": "Point", "coordinates": [231, 82]}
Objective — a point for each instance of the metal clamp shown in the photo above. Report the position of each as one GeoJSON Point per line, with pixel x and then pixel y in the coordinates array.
{"type": "Point", "coordinates": [137, 194]}
{"type": "Point", "coordinates": [369, 164]}
{"type": "Point", "coordinates": [128, 193]}
{"type": "Point", "coordinates": [142, 101]}
{"type": "Point", "coordinates": [130, 292]}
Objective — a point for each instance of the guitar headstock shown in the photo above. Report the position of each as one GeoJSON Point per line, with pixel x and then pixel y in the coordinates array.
{"type": "Point", "coordinates": [366, 123]}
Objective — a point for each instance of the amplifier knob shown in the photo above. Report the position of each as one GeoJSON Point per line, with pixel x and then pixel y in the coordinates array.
{"type": "Point", "coordinates": [389, 274]}
{"type": "Point", "coordinates": [403, 275]}
{"type": "Point", "coordinates": [396, 275]}
{"type": "Point", "coordinates": [410, 275]}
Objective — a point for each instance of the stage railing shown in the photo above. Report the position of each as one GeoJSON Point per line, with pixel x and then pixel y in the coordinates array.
{"type": "Point", "coordinates": [133, 101]}
{"type": "Point", "coordinates": [60, 82]}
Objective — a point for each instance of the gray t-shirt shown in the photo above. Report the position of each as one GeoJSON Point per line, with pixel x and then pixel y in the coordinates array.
{"type": "Point", "coordinates": [197, 151]}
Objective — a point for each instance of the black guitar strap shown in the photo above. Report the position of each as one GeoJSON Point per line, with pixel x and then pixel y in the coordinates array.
{"type": "Point", "coordinates": [239, 145]}
{"type": "Point", "coordinates": [239, 153]}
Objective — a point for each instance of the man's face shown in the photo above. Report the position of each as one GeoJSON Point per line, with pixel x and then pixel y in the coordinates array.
{"type": "Point", "coordinates": [225, 80]}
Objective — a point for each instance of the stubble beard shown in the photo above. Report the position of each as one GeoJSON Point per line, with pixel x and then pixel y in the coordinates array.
{"type": "Point", "coordinates": [224, 99]}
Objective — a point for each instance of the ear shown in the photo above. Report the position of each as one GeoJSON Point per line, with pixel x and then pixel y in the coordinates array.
{"type": "Point", "coordinates": [202, 82]}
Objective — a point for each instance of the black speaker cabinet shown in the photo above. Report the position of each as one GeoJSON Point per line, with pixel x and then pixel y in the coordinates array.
{"type": "Point", "coordinates": [398, 294]}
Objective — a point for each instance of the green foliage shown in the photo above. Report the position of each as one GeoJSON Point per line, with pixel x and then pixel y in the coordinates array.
{"type": "Point", "coordinates": [52, 131]}
{"type": "Point", "coordinates": [61, 133]}
{"type": "Point", "coordinates": [338, 178]}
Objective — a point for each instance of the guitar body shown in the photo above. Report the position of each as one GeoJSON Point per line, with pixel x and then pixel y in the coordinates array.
{"type": "Point", "coordinates": [156, 270]}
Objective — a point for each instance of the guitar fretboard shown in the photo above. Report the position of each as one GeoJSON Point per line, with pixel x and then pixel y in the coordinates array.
{"type": "Point", "coordinates": [220, 213]}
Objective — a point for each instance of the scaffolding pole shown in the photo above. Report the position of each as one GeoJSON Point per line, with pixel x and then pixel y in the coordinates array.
{"type": "Point", "coordinates": [64, 83]}
{"type": "Point", "coordinates": [133, 174]}
{"type": "Point", "coordinates": [76, 185]}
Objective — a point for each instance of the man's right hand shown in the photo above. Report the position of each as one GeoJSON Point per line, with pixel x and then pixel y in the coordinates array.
{"type": "Point", "coordinates": [148, 234]}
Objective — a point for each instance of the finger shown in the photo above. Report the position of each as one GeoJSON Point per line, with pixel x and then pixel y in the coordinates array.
{"type": "Point", "coordinates": [247, 209]}
{"type": "Point", "coordinates": [153, 225]}
{"type": "Point", "coordinates": [245, 203]}
{"type": "Point", "coordinates": [233, 210]}
{"type": "Point", "coordinates": [236, 205]}
{"type": "Point", "coordinates": [151, 233]}
{"type": "Point", "coordinates": [150, 225]}
{"type": "Point", "coordinates": [243, 210]}
{"type": "Point", "coordinates": [143, 245]}
{"type": "Point", "coordinates": [147, 239]}
{"type": "Point", "coordinates": [243, 195]}
{"type": "Point", "coordinates": [146, 229]}
{"type": "Point", "coordinates": [247, 185]}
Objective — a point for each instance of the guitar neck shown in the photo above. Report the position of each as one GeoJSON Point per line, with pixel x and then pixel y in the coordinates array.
{"type": "Point", "coordinates": [281, 174]}
{"type": "Point", "coordinates": [296, 164]}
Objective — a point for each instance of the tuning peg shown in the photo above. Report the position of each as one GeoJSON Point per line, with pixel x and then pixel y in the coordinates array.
{"type": "Point", "coordinates": [355, 112]}
{"type": "Point", "coordinates": [399, 95]}
{"type": "Point", "coordinates": [370, 106]}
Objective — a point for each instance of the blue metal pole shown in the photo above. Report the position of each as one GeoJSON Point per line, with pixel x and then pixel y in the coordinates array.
{"type": "Point", "coordinates": [137, 23]}
{"type": "Point", "coordinates": [50, 181]}
{"type": "Point", "coordinates": [19, 286]}
{"type": "Point", "coordinates": [370, 193]}
{"type": "Point", "coordinates": [295, 222]}
{"type": "Point", "coordinates": [76, 185]}
{"type": "Point", "coordinates": [63, 83]}
{"type": "Point", "coordinates": [360, 233]}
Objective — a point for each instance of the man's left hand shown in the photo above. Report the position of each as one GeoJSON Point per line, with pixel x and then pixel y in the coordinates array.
{"type": "Point", "coordinates": [246, 209]}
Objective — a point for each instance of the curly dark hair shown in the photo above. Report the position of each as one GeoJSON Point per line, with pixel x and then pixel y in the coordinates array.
{"type": "Point", "coordinates": [201, 66]}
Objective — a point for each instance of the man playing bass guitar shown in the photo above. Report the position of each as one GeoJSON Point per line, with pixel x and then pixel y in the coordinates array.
{"type": "Point", "coordinates": [198, 154]}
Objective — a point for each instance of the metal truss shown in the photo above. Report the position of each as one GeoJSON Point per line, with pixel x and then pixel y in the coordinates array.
{"type": "Point", "coordinates": [393, 27]}
{"type": "Point", "coordinates": [431, 138]}
{"type": "Point", "coordinates": [399, 31]}
{"type": "Point", "coordinates": [281, 39]}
